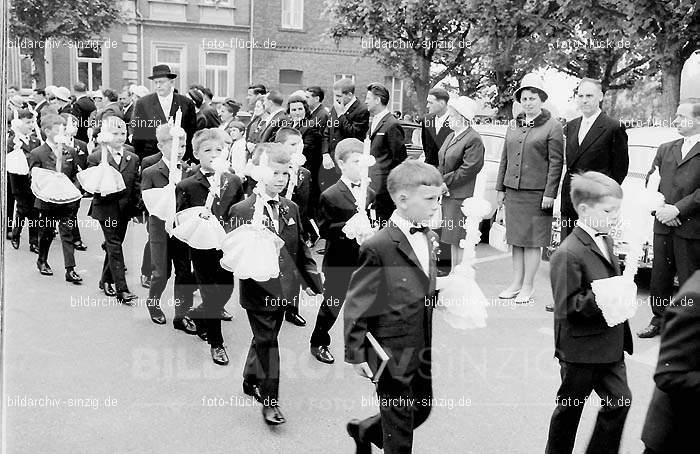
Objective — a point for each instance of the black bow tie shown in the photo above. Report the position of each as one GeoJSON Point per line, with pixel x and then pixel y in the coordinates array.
{"type": "Point", "coordinates": [209, 174]}
{"type": "Point", "coordinates": [601, 234]}
{"type": "Point", "coordinates": [273, 203]}
{"type": "Point", "coordinates": [421, 229]}
{"type": "Point", "coordinates": [354, 185]}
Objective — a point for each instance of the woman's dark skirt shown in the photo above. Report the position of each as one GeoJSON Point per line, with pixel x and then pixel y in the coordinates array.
{"type": "Point", "coordinates": [527, 225]}
{"type": "Point", "coordinates": [453, 221]}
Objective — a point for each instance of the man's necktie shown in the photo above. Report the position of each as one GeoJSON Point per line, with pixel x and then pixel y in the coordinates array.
{"type": "Point", "coordinates": [421, 229]}
{"type": "Point", "coordinates": [274, 214]}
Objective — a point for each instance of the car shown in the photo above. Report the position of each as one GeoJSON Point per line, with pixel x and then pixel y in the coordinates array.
{"type": "Point", "coordinates": [643, 142]}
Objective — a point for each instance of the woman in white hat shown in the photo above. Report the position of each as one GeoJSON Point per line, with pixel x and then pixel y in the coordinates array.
{"type": "Point", "coordinates": [527, 183]}
{"type": "Point", "coordinates": [460, 159]}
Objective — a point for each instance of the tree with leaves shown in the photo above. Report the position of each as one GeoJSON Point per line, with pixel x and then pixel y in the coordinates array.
{"type": "Point", "coordinates": [34, 22]}
{"type": "Point", "coordinates": [409, 36]}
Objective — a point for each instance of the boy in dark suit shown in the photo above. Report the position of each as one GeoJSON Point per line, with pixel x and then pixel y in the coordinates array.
{"type": "Point", "coordinates": [167, 252]}
{"type": "Point", "coordinates": [114, 211]}
{"type": "Point", "coordinates": [55, 156]}
{"type": "Point", "coordinates": [82, 153]}
{"type": "Point", "coordinates": [20, 185]}
{"type": "Point", "coordinates": [215, 283]}
{"type": "Point", "coordinates": [590, 353]}
{"type": "Point", "coordinates": [336, 207]}
{"type": "Point", "coordinates": [391, 296]}
{"type": "Point", "coordinates": [292, 139]}
{"type": "Point", "coordinates": [265, 302]}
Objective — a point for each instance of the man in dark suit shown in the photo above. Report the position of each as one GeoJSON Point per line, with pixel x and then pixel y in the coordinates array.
{"type": "Point", "coordinates": [391, 296]}
{"type": "Point", "coordinates": [167, 252]}
{"type": "Point", "coordinates": [317, 123]}
{"type": "Point", "coordinates": [114, 211]}
{"type": "Point", "coordinates": [265, 302]}
{"type": "Point", "coordinates": [275, 116]}
{"type": "Point", "coordinates": [349, 118]}
{"type": "Point", "coordinates": [126, 102]}
{"type": "Point", "coordinates": [55, 156]}
{"type": "Point", "coordinates": [215, 283]}
{"type": "Point", "coordinates": [337, 205]}
{"type": "Point", "coordinates": [674, 410]}
{"type": "Point", "coordinates": [255, 93]}
{"type": "Point", "coordinates": [155, 109]}
{"type": "Point", "coordinates": [207, 116]}
{"type": "Point", "coordinates": [20, 185]}
{"type": "Point", "coordinates": [590, 353]}
{"type": "Point", "coordinates": [595, 142]}
{"type": "Point", "coordinates": [388, 147]}
{"type": "Point", "coordinates": [677, 224]}
{"type": "Point", "coordinates": [435, 127]}
{"type": "Point", "coordinates": [81, 109]}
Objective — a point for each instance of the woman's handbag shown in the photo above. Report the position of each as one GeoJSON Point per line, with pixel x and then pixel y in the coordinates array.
{"type": "Point", "coordinates": [497, 234]}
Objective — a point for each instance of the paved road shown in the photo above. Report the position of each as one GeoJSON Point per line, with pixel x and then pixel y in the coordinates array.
{"type": "Point", "coordinates": [105, 379]}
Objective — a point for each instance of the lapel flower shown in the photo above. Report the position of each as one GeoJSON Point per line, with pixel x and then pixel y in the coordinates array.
{"type": "Point", "coordinates": [128, 158]}
{"type": "Point", "coordinates": [435, 244]}
{"type": "Point", "coordinates": [284, 210]}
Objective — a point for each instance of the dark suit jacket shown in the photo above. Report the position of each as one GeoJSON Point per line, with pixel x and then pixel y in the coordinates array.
{"type": "Point", "coordinates": [604, 150]}
{"type": "Point", "coordinates": [148, 115]}
{"type": "Point", "coordinates": [336, 207]}
{"type": "Point", "coordinates": [123, 204]}
{"type": "Point", "coordinates": [81, 149]}
{"type": "Point", "coordinates": [82, 108]}
{"type": "Point", "coordinates": [354, 123]}
{"type": "Point", "coordinates": [391, 297]}
{"type": "Point", "coordinates": [532, 157]}
{"type": "Point", "coordinates": [43, 157]}
{"type": "Point", "coordinates": [207, 117]}
{"type": "Point", "coordinates": [674, 410]}
{"type": "Point", "coordinates": [302, 191]}
{"type": "Point", "coordinates": [388, 149]}
{"type": "Point", "coordinates": [680, 185]}
{"type": "Point", "coordinates": [254, 129]}
{"type": "Point", "coordinates": [193, 191]}
{"type": "Point", "coordinates": [297, 267]}
{"type": "Point", "coordinates": [157, 175]}
{"type": "Point", "coordinates": [459, 161]}
{"type": "Point", "coordinates": [313, 140]}
{"type": "Point", "coordinates": [433, 140]}
{"type": "Point", "coordinates": [21, 185]}
{"type": "Point", "coordinates": [581, 334]}
{"type": "Point", "coordinates": [273, 125]}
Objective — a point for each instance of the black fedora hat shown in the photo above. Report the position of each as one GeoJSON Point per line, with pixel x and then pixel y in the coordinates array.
{"type": "Point", "coordinates": [162, 71]}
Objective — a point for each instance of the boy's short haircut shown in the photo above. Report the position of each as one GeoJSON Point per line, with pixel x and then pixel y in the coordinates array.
{"type": "Point", "coordinates": [50, 120]}
{"type": "Point", "coordinates": [412, 174]}
{"type": "Point", "coordinates": [163, 133]}
{"type": "Point", "coordinates": [346, 147]}
{"type": "Point", "coordinates": [238, 125]}
{"type": "Point", "coordinates": [592, 187]}
{"type": "Point", "coordinates": [113, 121]}
{"type": "Point", "coordinates": [25, 113]}
{"type": "Point", "coordinates": [276, 152]}
{"type": "Point", "coordinates": [205, 135]}
{"type": "Point", "coordinates": [284, 132]}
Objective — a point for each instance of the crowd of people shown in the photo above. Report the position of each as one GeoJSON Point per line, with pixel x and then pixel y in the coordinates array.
{"type": "Point", "coordinates": [315, 179]}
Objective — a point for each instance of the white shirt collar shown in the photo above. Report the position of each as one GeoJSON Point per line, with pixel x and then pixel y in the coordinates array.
{"type": "Point", "coordinates": [167, 164]}
{"type": "Point", "coordinates": [402, 223]}
{"type": "Point", "coordinates": [348, 183]}
{"type": "Point", "coordinates": [266, 198]}
{"type": "Point", "coordinates": [352, 101]}
{"type": "Point", "coordinates": [592, 118]}
{"type": "Point", "coordinates": [588, 229]}
{"type": "Point", "coordinates": [168, 96]}
{"type": "Point", "coordinates": [691, 140]}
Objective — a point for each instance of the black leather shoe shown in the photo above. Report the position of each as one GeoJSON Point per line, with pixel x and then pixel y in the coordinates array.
{"type": "Point", "coordinates": [145, 281]}
{"type": "Point", "coordinates": [79, 246]}
{"type": "Point", "coordinates": [126, 298]}
{"type": "Point", "coordinates": [353, 429]}
{"type": "Point", "coordinates": [219, 356]}
{"type": "Point", "coordinates": [44, 268]}
{"type": "Point", "coordinates": [225, 316]}
{"type": "Point", "coordinates": [273, 416]}
{"type": "Point", "coordinates": [34, 248]}
{"type": "Point", "coordinates": [185, 324]}
{"type": "Point", "coordinates": [295, 319]}
{"type": "Point", "coordinates": [322, 354]}
{"type": "Point", "coordinates": [649, 332]}
{"type": "Point", "coordinates": [549, 308]}
{"type": "Point", "coordinates": [15, 243]}
{"type": "Point", "coordinates": [157, 315]}
{"type": "Point", "coordinates": [107, 288]}
{"type": "Point", "coordinates": [252, 390]}
{"type": "Point", "coordinates": [72, 276]}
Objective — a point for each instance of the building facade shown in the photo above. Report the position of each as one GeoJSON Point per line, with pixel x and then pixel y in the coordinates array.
{"type": "Point", "coordinates": [222, 44]}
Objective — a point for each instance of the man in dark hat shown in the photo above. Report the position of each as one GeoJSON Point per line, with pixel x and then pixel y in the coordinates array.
{"type": "Point", "coordinates": [156, 108]}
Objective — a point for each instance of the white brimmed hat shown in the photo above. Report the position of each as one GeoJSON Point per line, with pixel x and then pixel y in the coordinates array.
{"type": "Point", "coordinates": [61, 93]}
{"type": "Point", "coordinates": [465, 106]}
{"type": "Point", "coordinates": [534, 82]}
